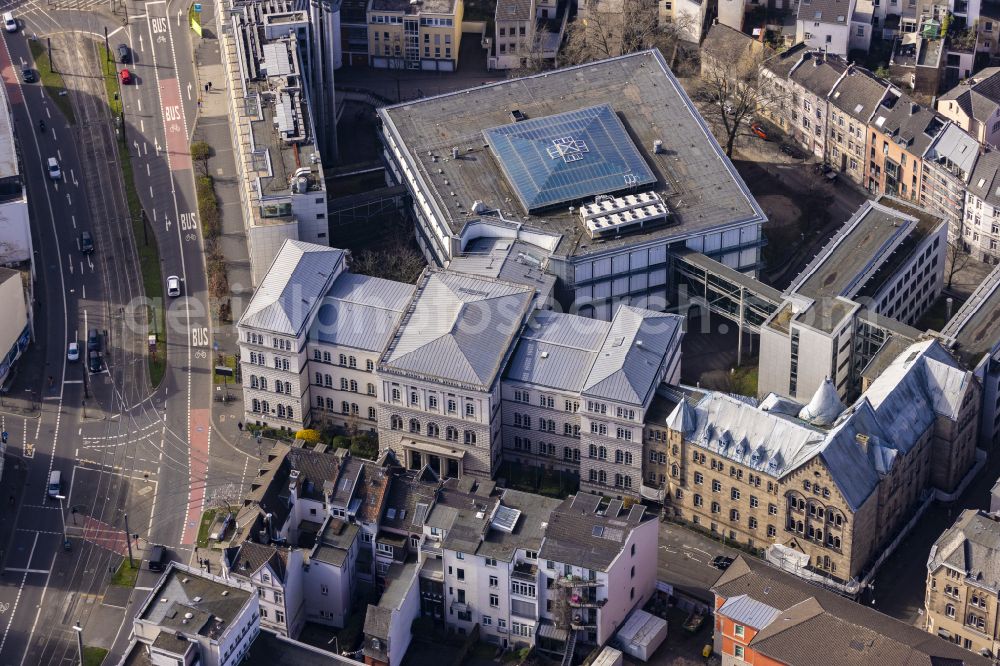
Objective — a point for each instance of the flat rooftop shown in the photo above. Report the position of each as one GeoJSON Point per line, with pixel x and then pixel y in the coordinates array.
{"type": "Point", "coordinates": [211, 603]}
{"type": "Point", "coordinates": [866, 251]}
{"type": "Point", "coordinates": [444, 142]}
{"type": "Point", "coordinates": [976, 325]}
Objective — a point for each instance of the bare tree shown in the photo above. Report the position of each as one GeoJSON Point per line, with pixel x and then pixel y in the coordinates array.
{"type": "Point", "coordinates": [611, 28]}
{"type": "Point", "coordinates": [531, 54]}
{"type": "Point", "coordinates": [733, 88]}
{"type": "Point", "coordinates": [957, 259]}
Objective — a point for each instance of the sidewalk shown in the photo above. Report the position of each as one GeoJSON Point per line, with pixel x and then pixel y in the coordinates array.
{"type": "Point", "coordinates": [212, 127]}
{"type": "Point", "coordinates": [15, 473]}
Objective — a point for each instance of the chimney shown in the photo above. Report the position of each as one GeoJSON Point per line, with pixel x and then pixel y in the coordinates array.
{"type": "Point", "coordinates": [862, 441]}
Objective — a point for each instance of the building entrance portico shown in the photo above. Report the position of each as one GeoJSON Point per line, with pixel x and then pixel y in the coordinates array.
{"type": "Point", "coordinates": [445, 461]}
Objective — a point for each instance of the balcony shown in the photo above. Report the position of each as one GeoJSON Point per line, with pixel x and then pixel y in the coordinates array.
{"type": "Point", "coordinates": [580, 621]}
{"type": "Point", "coordinates": [576, 581]}
{"type": "Point", "coordinates": [652, 493]}
{"type": "Point", "coordinates": [525, 571]}
{"type": "Point", "coordinates": [586, 601]}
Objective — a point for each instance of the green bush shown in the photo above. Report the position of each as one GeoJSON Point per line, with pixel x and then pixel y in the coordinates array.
{"type": "Point", "coordinates": [341, 442]}
{"type": "Point", "coordinates": [364, 446]}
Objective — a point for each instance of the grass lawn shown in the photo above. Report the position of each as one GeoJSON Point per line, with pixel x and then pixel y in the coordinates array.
{"type": "Point", "coordinates": [207, 519]}
{"type": "Point", "coordinates": [94, 656]}
{"type": "Point", "coordinates": [744, 380]}
{"type": "Point", "coordinates": [53, 81]}
{"type": "Point", "coordinates": [149, 254]}
{"type": "Point", "coordinates": [126, 575]}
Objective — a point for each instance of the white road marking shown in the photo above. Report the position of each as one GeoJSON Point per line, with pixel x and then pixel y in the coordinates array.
{"type": "Point", "coordinates": [17, 599]}
{"type": "Point", "coordinates": [48, 113]}
{"type": "Point", "coordinates": [26, 571]}
{"type": "Point", "coordinates": [73, 217]}
{"type": "Point", "coordinates": [138, 100]}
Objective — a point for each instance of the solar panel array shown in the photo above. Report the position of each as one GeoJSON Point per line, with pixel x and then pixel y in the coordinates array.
{"type": "Point", "coordinates": [568, 157]}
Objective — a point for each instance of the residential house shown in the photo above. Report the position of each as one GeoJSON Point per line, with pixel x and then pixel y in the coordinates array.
{"type": "Point", "coordinates": [825, 25]}
{"type": "Point", "coordinates": [415, 35]}
{"type": "Point", "coordinates": [275, 573]}
{"type": "Point", "coordinates": [527, 31]}
{"type": "Point", "coordinates": [811, 81]}
{"type": "Point", "coordinates": [974, 105]}
{"type": "Point", "coordinates": [765, 616]}
{"type": "Point", "coordinates": [947, 167]}
{"type": "Point", "coordinates": [963, 583]}
{"type": "Point", "coordinates": [981, 228]}
{"type": "Point", "coordinates": [899, 134]}
{"type": "Point", "coordinates": [851, 105]}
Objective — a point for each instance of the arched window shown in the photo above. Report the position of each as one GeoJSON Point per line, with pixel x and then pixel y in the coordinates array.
{"type": "Point", "coordinates": [371, 389]}
{"type": "Point", "coordinates": [354, 409]}
{"type": "Point", "coordinates": [288, 412]}
{"type": "Point", "coordinates": [253, 382]}
{"type": "Point", "coordinates": [593, 450]}
{"type": "Point", "coordinates": [628, 458]}
{"type": "Point", "coordinates": [263, 383]}
{"type": "Point", "coordinates": [281, 411]}
{"type": "Point", "coordinates": [256, 405]}
{"type": "Point", "coordinates": [343, 383]}
{"type": "Point", "coordinates": [328, 381]}
{"type": "Point", "coordinates": [319, 378]}
{"type": "Point", "coordinates": [371, 413]}
{"type": "Point", "coordinates": [602, 453]}
{"type": "Point", "coordinates": [470, 437]}
{"type": "Point", "coordinates": [353, 362]}
{"type": "Point", "coordinates": [396, 423]}
{"type": "Point", "coordinates": [345, 407]}
{"type": "Point", "coordinates": [798, 526]}
{"type": "Point", "coordinates": [602, 477]}
{"type": "Point", "coordinates": [414, 425]}
{"type": "Point", "coordinates": [619, 458]}
{"type": "Point", "coordinates": [329, 404]}
{"type": "Point", "coordinates": [593, 476]}
{"type": "Point", "coordinates": [354, 386]}
{"type": "Point", "coordinates": [432, 430]}
{"type": "Point", "coordinates": [451, 434]}
{"type": "Point", "coordinates": [265, 406]}
{"type": "Point", "coordinates": [675, 471]}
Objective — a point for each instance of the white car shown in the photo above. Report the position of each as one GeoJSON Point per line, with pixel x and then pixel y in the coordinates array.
{"type": "Point", "coordinates": [173, 286]}
{"type": "Point", "coordinates": [73, 353]}
{"type": "Point", "coordinates": [55, 173]}
{"type": "Point", "coordinates": [9, 22]}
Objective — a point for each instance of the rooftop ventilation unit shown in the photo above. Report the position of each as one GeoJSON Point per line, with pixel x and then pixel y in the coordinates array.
{"type": "Point", "coordinates": [612, 216]}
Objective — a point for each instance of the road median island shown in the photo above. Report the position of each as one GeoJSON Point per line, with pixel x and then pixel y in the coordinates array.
{"type": "Point", "coordinates": [145, 240]}
{"type": "Point", "coordinates": [51, 81]}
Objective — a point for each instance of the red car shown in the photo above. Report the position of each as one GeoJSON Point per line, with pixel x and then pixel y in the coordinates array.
{"type": "Point", "coordinates": [126, 76]}
{"type": "Point", "coordinates": [757, 129]}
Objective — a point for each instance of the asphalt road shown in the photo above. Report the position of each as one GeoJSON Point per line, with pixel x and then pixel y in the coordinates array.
{"type": "Point", "coordinates": [120, 446]}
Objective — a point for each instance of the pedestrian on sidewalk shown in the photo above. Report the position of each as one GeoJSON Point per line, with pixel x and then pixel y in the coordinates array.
{"type": "Point", "coordinates": [206, 87]}
{"type": "Point", "coordinates": [240, 426]}
{"type": "Point", "coordinates": [209, 86]}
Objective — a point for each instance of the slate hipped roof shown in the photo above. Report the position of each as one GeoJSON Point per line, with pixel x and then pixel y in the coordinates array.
{"type": "Point", "coordinates": [299, 276]}
{"type": "Point", "coordinates": [985, 181]}
{"type": "Point", "coordinates": [589, 532]}
{"type": "Point", "coordinates": [972, 547]}
{"type": "Point", "coordinates": [862, 443]}
{"type": "Point", "coordinates": [815, 627]}
{"type": "Point", "coordinates": [858, 93]}
{"type": "Point", "coordinates": [458, 328]}
{"type": "Point", "coordinates": [826, 11]}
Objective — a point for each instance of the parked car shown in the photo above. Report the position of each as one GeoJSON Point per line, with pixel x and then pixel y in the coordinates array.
{"type": "Point", "coordinates": [125, 76]}
{"type": "Point", "coordinates": [173, 286]}
{"type": "Point", "coordinates": [28, 75]}
{"type": "Point", "coordinates": [9, 22]}
{"type": "Point", "coordinates": [86, 242]}
{"type": "Point", "coordinates": [94, 362]}
{"type": "Point", "coordinates": [124, 54]}
{"type": "Point", "coordinates": [722, 562]}
{"type": "Point", "coordinates": [93, 340]}
{"type": "Point", "coordinates": [758, 129]}
{"type": "Point", "coordinates": [73, 351]}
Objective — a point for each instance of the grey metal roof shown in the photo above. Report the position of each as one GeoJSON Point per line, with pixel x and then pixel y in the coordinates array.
{"type": "Point", "coordinates": [635, 346]}
{"type": "Point", "coordinates": [954, 147]}
{"type": "Point", "coordinates": [557, 350]}
{"type": "Point", "coordinates": [975, 326]}
{"type": "Point", "coordinates": [509, 260]}
{"type": "Point", "coordinates": [361, 312]}
{"type": "Point", "coordinates": [985, 182]}
{"type": "Point", "coordinates": [458, 328]}
{"type": "Point", "coordinates": [747, 610]}
{"type": "Point", "coordinates": [298, 277]}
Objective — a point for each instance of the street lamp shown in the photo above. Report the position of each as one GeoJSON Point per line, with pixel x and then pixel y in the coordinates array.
{"type": "Point", "coordinates": [79, 640]}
